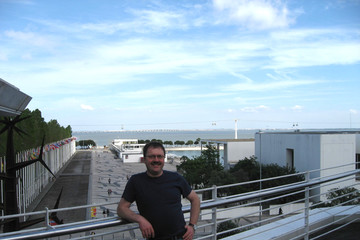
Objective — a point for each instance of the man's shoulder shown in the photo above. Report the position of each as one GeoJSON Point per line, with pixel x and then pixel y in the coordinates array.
{"type": "Point", "coordinates": [171, 173]}
{"type": "Point", "coordinates": [138, 175]}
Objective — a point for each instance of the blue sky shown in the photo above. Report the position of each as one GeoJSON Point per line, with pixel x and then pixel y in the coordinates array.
{"type": "Point", "coordinates": [114, 64]}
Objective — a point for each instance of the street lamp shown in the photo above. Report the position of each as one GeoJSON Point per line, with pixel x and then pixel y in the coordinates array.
{"type": "Point", "coordinates": [260, 205]}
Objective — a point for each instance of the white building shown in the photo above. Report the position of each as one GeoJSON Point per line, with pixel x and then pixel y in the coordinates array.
{"type": "Point", "coordinates": [129, 150]}
{"type": "Point", "coordinates": [309, 150]}
{"type": "Point", "coordinates": [234, 149]}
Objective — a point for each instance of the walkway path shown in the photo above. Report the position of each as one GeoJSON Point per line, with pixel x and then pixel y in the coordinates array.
{"type": "Point", "coordinates": [109, 173]}
{"type": "Point", "coordinates": [74, 180]}
{"type": "Point", "coordinates": [86, 179]}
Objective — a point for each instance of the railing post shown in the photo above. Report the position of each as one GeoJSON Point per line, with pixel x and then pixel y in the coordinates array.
{"type": "Point", "coordinates": [214, 215]}
{"type": "Point", "coordinates": [307, 207]}
{"type": "Point", "coordinates": [47, 218]}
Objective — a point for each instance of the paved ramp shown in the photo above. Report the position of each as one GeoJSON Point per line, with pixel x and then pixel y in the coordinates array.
{"type": "Point", "coordinates": [74, 180]}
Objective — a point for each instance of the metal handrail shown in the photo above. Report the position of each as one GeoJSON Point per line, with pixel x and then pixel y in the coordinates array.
{"type": "Point", "coordinates": [89, 225]}
{"type": "Point", "coordinates": [272, 191]}
{"type": "Point", "coordinates": [273, 178]}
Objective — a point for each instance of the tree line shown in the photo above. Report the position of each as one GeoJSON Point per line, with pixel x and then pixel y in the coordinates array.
{"type": "Point", "coordinates": [206, 170]}
{"type": "Point", "coordinates": [85, 143]}
{"type": "Point", "coordinates": [171, 143]}
{"type": "Point", "coordinates": [36, 128]}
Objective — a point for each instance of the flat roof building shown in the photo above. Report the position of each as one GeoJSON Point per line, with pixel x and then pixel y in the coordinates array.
{"type": "Point", "coordinates": [311, 150]}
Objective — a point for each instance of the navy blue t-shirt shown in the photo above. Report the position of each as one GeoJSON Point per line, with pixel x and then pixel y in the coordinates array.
{"type": "Point", "coordinates": [159, 200]}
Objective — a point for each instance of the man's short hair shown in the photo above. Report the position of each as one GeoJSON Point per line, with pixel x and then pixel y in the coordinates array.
{"type": "Point", "coordinates": [153, 145]}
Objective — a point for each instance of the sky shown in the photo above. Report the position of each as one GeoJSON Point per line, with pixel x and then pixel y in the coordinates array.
{"type": "Point", "coordinates": [217, 64]}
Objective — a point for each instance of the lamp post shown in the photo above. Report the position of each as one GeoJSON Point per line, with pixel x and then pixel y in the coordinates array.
{"type": "Point", "coordinates": [235, 128]}
{"type": "Point", "coordinates": [260, 205]}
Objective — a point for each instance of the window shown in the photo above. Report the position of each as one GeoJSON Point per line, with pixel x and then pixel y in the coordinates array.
{"type": "Point", "coordinates": [357, 165]}
{"type": "Point", "coordinates": [290, 158]}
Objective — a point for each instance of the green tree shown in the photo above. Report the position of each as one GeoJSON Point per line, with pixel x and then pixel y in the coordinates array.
{"type": "Point", "coordinates": [246, 170]}
{"type": "Point", "coordinates": [190, 142]}
{"type": "Point", "coordinates": [85, 143]}
{"type": "Point", "coordinates": [36, 128]}
{"type": "Point", "coordinates": [198, 170]}
{"type": "Point", "coordinates": [178, 142]}
{"type": "Point", "coordinates": [168, 143]}
{"type": "Point", "coordinates": [157, 140]}
{"type": "Point", "coordinates": [223, 177]}
{"type": "Point", "coordinates": [249, 170]}
{"type": "Point", "coordinates": [343, 196]}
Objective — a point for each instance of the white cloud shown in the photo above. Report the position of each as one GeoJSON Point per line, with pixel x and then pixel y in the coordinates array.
{"type": "Point", "coordinates": [353, 111]}
{"type": "Point", "coordinates": [313, 47]}
{"type": "Point", "coordinates": [160, 19]}
{"type": "Point", "coordinates": [29, 38]}
{"type": "Point", "coordinates": [143, 21]}
{"type": "Point", "coordinates": [254, 14]}
{"type": "Point", "coordinates": [297, 108]}
{"type": "Point", "coordinates": [262, 107]}
{"type": "Point", "coordinates": [315, 54]}
{"type": "Point", "coordinates": [26, 56]}
{"type": "Point", "coordinates": [3, 56]}
{"type": "Point", "coordinates": [267, 86]}
{"type": "Point", "coordinates": [176, 57]}
{"type": "Point", "coordinates": [86, 107]}
{"type": "Point", "coordinates": [255, 109]}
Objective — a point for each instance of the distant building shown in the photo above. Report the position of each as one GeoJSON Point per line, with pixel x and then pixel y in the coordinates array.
{"type": "Point", "coordinates": [310, 150]}
{"type": "Point", "coordinates": [129, 150]}
{"type": "Point", "coordinates": [234, 149]}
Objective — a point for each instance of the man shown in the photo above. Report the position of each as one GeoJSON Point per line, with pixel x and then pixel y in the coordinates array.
{"type": "Point", "coordinates": [157, 193]}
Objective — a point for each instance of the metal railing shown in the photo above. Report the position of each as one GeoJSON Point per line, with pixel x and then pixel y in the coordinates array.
{"type": "Point", "coordinates": [248, 211]}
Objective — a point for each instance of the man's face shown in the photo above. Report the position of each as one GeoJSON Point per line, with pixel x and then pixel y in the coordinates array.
{"type": "Point", "coordinates": [154, 161]}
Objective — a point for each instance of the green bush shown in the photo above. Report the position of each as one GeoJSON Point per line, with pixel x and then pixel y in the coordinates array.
{"type": "Point", "coordinates": [226, 226]}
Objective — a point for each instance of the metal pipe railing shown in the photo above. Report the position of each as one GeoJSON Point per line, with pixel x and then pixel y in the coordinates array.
{"type": "Point", "coordinates": [66, 229]}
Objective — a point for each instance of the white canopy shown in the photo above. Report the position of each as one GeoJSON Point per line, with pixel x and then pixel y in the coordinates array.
{"type": "Point", "coordinates": [12, 100]}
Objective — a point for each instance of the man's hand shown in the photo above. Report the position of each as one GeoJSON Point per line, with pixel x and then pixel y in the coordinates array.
{"type": "Point", "coordinates": [146, 228]}
{"type": "Point", "coordinates": [125, 212]}
{"type": "Point", "coordinates": [190, 231]}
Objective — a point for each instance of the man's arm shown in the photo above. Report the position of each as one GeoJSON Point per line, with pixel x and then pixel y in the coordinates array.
{"type": "Point", "coordinates": [195, 207]}
{"type": "Point", "coordinates": [124, 211]}
{"type": "Point", "coordinates": [194, 214]}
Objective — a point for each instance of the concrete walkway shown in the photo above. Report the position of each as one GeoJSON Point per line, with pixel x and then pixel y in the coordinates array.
{"type": "Point", "coordinates": [73, 178]}
{"type": "Point", "coordinates": [87, 179]}
{"type": "Point", "coordinates": [109, 177]}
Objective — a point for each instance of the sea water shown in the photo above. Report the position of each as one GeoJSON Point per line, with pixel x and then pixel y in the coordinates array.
{"type": "Point", "coordinates": [104, 138]}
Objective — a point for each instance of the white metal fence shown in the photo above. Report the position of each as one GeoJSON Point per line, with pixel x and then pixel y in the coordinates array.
{"type": "Point", "coordinates": [256, 214]}
{"type": "Point", "coordinates": [32, 179]}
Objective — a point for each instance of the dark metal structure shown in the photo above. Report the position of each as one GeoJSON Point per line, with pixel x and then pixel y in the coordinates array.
{"type": "Point", "coordinates": [12, 100]}
{"type": "Point", "coordinates": [12, 103]}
